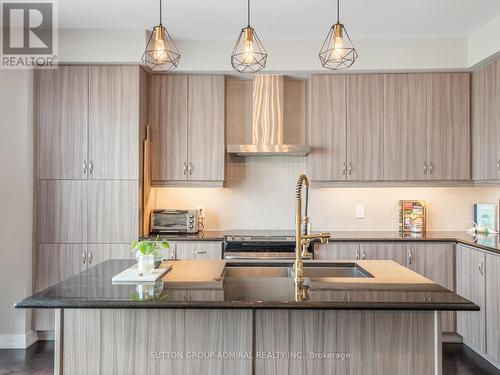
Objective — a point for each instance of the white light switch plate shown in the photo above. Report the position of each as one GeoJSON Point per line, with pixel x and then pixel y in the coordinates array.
{"type": "Point", "coordinates": [360, 211]}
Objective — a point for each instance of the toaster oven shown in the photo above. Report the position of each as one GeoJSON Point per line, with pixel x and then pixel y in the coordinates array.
{"type": "Point", "coordinates": [174, 221]}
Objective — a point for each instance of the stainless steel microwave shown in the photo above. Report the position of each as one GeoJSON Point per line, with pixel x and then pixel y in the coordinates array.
{"type": "Point", "coordinates": [174, 221]}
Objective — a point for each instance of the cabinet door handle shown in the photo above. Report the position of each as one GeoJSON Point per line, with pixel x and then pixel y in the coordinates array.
{"type": "Point", "coordinates": [91, 167]}
{"type": "Point", "coordinates": [409, 257]}
{"type": "Point", "coordinates": [357, 254]}
{"type": "Point", "coordinates": [362, 254]}
{"type": "Point", "coordinates": [84, 257]}
{"type": "Point", "coordinates": [184, 169]}
{"type": "Point", "coordinates": [430, 167]}
{"type": "Point", "coordinates": [90, 256]}
{"type": "Point", "coordinates": [200, 252]}
{"type": "Point", "coordinates": [481, 267]}
{"type": "Point", "coordinates": [84, 167]}
{"type": "Point", "coordinates": [344, 167]}
{"type": "Point", "coordinates": [498, 164]}
{"type": "Point", "coordinates": [349, 169]}
{"type": "Point", "coordinates": [190, 169]}
{"type": "Point", "coordinates": [425, 167]}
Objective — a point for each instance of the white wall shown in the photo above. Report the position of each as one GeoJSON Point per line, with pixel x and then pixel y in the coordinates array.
{"type": "Point", "coordinates": [127, 46]}
{"type": "Point", "coordinates": [259, 194]}
{"type": "Point", "coordinates": [485, 42]}
{"type": "Point", "coordinates": [16, 203]}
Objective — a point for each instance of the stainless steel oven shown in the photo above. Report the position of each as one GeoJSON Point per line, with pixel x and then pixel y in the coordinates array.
{"type": "Point", "coordinates": [241, 247]}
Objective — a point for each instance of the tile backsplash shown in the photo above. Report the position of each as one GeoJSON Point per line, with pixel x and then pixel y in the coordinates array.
{"type": "Point", "coordinates": [259, 194]}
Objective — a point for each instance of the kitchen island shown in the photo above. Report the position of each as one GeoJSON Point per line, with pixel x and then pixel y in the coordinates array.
{"type": "Point", "coordinates": [213, 317]}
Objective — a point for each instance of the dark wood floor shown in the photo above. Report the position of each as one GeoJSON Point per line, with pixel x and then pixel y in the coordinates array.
{"type": "Point", "coordinates": [38, 360]}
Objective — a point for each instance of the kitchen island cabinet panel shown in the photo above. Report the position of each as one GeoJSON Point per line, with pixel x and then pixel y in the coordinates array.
{"type": "Point", "coordinates": [144, 341]}
{"type": "Point", "coordinates": [327, 128]}
{"type": "Point", "coordinates": [471, 285]}
{"type": "Point", "coordinates": [360, 335]}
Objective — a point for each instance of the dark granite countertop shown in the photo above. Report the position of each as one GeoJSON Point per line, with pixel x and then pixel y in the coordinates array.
{"type": "Point", "coordinates": [489, 243]}
{"type": "Point", "coordinates": [389, 287]}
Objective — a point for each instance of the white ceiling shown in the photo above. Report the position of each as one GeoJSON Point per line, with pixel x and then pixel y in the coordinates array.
{"type": "Point", "coordinates": [285, 19]}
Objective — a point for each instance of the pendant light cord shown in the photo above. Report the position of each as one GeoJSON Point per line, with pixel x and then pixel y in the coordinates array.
{"type": "Point", "coordinates": [160, 12]}
{"type": "Point", "coordinates": [338, 11]}
{"type": "Point", "coordinates": [248, 13]}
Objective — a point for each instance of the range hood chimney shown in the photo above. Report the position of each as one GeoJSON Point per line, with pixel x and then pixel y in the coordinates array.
{"type": "Point", "coordinates": [267, 121]}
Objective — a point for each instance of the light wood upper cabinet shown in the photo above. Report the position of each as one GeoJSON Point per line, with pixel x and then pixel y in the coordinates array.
{"type": "Point", "coordinates": [448, 126]}
{"type": "Point", "coordinates": [471, 285]}
{"type": "Point", "coordinates": [327, 127]}
{"type": "Point", "coordinates": [404, 127]}
{"type": "Point", "coordinates": [61, 122]}
{"type": "Point", "coordinates": [486, 123]}
{"type": "Point", "coordinates": [365, 127]}
{"type": "Point", "coordinates": [168, 100]}
{"type": "Point", "coordinates": [187, 119]}
{"type": "Point", "coordinates": [206, 150]}
{"type": "Point", "coordinates": [114, 122]}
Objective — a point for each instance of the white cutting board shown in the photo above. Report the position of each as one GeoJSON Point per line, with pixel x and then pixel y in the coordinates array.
{"type": "Point", "coordinates": [132, 275]}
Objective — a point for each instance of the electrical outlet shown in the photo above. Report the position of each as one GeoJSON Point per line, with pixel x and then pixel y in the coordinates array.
{"type": "Point", "coordinates": [360, 211]}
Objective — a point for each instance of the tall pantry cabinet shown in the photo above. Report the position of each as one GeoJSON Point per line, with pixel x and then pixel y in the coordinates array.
{"type": "Point", "coordinates": [89, 126]}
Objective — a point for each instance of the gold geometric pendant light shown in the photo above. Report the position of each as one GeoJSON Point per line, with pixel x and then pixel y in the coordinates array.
{"type": "Point", "coordinates": [161, 52]}
{"type": "Point", "coordinates": [337, 51]}
{"type": "Point", "coordinates": [249, 55]}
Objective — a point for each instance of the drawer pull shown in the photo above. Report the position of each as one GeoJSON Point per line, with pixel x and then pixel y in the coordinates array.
{"type": "Point", "coordinates": [200, 252]}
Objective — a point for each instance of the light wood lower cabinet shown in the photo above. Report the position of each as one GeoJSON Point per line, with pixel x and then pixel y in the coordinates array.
{"type": "Point", "coordinates": [360, 251]}
{"type": "Point", "coordinates": [493, 306]}
{"type": "Point", "coordinates": [436, 262]}
{"type": "Point", "coordinates": [198, 250]}
{"type": "Point", "coordinates": [382, 251]}
{"type": "Point", "coordinates": [55, 263]}
{"type": "Point", "coordinates": [99, 253]}
{"type": "Point", "coordinates": [471, 285]}
{"type": "Point", "coordinates": [337, 251]}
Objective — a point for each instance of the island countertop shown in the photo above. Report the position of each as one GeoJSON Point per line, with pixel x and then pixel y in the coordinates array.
{"type": "Point", "coordinates": [389, 286]}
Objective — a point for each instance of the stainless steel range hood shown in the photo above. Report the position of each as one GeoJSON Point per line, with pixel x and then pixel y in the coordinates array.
{"type": "Point", "coordinates": [267, 121]}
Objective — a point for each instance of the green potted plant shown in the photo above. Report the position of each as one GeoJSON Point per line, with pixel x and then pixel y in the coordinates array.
{"type": "Point", "coordinates": [148, 253]}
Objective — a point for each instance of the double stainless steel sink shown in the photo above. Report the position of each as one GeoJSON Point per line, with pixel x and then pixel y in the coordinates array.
{"type": "Point", "coordinates": [311, 270]}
